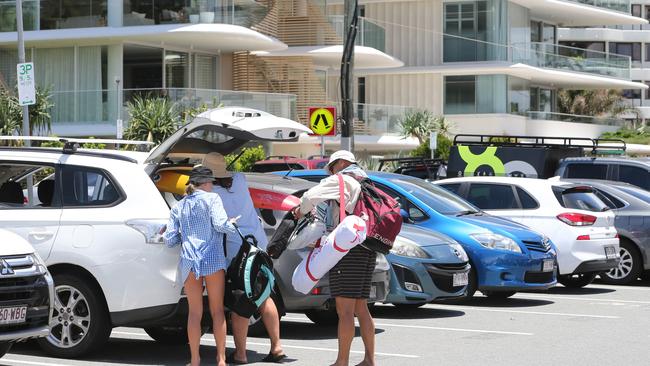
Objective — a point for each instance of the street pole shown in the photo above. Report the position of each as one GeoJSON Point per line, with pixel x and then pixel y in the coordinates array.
{"type": "Point", "coordinates": [21, 59]}
{"type": "Point", "coordinates": [350, 22]}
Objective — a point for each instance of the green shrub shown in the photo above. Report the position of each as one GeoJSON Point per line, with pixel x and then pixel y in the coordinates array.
{"type": "Point", "coordinates": [245, 162]}
{"type": "Point", "coordinates": [442, 148]}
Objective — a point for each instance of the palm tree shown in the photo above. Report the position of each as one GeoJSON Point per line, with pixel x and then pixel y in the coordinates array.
{"type": "Point", "coordinates": [40, 119]}
{"type": "Point", "coordinates": [418, 124]}
{"type": "Point", "coordinates": [601, 102]}
{"type": "Point", "coordinates": [10, 115]}
{"type": "Point", "coordinates": [152, 119]}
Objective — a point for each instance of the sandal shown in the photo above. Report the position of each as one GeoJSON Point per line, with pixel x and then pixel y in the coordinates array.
{"type": "Point", "coordinates": [231, 360]}
{"type": "Point", "coordinates": [274, 358]}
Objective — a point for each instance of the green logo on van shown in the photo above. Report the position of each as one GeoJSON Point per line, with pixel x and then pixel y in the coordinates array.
{"type": "Point", "coordinates": [475, 161]}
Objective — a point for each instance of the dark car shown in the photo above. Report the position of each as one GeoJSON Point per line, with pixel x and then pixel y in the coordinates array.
{"type": "Point", "coordinates": [628, 170]}
{"type": "Point", "coordinates": [632, 207]}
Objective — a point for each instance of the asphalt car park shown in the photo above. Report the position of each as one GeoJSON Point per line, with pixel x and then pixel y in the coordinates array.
{"type": "Point", "coordinates": [596, 325]}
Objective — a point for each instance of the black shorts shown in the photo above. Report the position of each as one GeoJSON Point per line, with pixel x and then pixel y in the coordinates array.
{"type": "Point", "coordinates": [352, 275]}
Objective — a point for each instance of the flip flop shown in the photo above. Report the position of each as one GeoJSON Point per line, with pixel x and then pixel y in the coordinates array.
{"type": "Point", "coordinates": [231, 360]}
{"type": "Point", "coordinates": [274, 358]}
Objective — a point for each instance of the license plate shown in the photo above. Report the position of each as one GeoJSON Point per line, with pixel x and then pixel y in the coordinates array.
{"type": "Point", "coordinates": [13, 315]}
{"type": "Point", "coordinates": [610, 252]}
{"type": "Point", "coordinates": [460, 279]}
{"type": "Point", "coordinates": [373, 292]}
{"type": "Point", "coordinates": [547, 265]}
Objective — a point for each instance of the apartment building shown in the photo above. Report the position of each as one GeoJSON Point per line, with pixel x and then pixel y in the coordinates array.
{"type": "Point", "coordinates": [629, 40]}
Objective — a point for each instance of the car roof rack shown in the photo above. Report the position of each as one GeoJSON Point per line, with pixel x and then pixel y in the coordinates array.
{"type": "Point", "coordinates": [71, 144]}
{"type": "Point", "coordinates": [593, 146]}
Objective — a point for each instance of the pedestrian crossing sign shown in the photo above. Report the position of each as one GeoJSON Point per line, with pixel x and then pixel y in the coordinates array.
{"type": "Point", "coordinates": [322, 120]}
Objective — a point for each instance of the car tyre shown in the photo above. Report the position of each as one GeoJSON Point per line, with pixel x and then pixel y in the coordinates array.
{"type": "Point", "coordinates": [576, 280]}
{"type": "Point", "coordinates": [168, 335]}
{"type": "Point", "coordinates": [629, 268]}
{"type": "Point", "coordinates": [327, 318]}
{"type": "Point", "coordinates": [498, 294]}
{"type": "Point", "coordinates": [80, 324]}
{"type": "Point", "coordinates": [4, 348]}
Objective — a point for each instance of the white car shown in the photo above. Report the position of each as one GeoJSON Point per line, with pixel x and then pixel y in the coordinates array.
{"type": "Point", "coordinates": [26, 292]}
{"type": "Point", "coordinates": [579, 224]}
{"type": "Point", "coordinates": [97, 225]}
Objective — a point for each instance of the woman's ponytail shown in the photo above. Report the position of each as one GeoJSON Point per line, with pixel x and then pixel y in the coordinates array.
{"type": "Point", "coordinates": [190, 189]}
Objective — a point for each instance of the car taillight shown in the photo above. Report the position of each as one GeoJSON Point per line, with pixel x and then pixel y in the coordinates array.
{"type": "Point", "coordinates": [577, 219]}
{"type": "Point", "coordinates": [316, 291]}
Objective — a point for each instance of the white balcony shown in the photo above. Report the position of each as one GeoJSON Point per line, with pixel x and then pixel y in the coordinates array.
{"type": "Point", "coordinates": [582, 12]}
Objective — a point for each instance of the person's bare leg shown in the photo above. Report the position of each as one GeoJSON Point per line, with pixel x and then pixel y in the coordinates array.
{"type": "Point", "coordinates": [194, 292]}
{"type": "Point", "coordinates": [216, 284]}
{"type": "Point", "coordinates": [271, 320]}
{"type": "Point", "coordinates": [345, 311]}
{"type": "Point", "coordinates": [239, 332]}
{"type": "Point", "coordinates": [367, 326]}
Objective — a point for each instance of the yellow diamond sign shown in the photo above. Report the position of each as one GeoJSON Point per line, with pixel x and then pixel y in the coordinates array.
{"type": "Point", "coordinates": [322, 121]}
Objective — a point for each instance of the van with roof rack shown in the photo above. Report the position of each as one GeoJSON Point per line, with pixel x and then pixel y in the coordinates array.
{"type": "Point", "coordinates": [635, 171]}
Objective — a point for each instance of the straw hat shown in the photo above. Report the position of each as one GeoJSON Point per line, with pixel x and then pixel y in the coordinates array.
{"type": "Point", "coordinates": [217, 163]}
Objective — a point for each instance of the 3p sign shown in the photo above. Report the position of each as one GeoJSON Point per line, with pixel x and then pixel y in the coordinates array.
{"type": "Point", "coordinates": [26, 84]}
{"type": "Point", "coordinates": [322, 121]}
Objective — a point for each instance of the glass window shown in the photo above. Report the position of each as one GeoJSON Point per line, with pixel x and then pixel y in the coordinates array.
{"type": "Point", "coordinates": [634, 175]}
{"type": "Point", "coordinates": [611, 201]}
{"type": "Point", "coordinates": [527, 201]}
{"type": "Point", "coordinates": [535, 31]}
{"type": "Point", "coordinates": [641, 194]}
{"type": "Point", "coordinates": [87, 187]}
{"type": "Point", "coordinates": [13, 185]}
{"type": "Point", "coordinates": [492, 196]}
{"type": "Point", "coordinates": [583, 49]}
{"type": "Point", "coordinates": [149, 12]}
{"type": "Point", "coordinates": [435, 197]}
{"type": "Point", "coordinates": [177, 69]}
{"type": "Point", "coordinates": [636, 10]}
{"type": "Point", "coordinates": [143, 67]}
{"type": "Point", "coordinates": [452, 187]}
{"type": "Point", "coordinates": [205, 71]}
{"type": "Point", "coordinates": [588, 171]}
{"type": "Point", "coordinates": [580, 199]}
{"type": "Point", "coordinates": [460, 94]}
{"type": "Point", "coordinates": [633, 93]}
{"type": "Point", "coordinates": [8, 15]}
{"type": "Point", "coordinates": [62, 14]}
{"type": "Point", "coordinates": [414, 213]}
{"type": "Point", "coordinates": [518, 95]}
{"type": "Point", "coordinates": [627, 49]}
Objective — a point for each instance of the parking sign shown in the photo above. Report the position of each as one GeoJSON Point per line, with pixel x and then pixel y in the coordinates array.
{"type": "Point", "coordinates": [26, 84]}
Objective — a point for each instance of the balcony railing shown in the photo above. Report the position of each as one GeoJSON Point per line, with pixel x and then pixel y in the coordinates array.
{"type": "Point", "coordinates": [563, 117]}
{"type": "Point", "coordinates": [369, 34]}
{"type": "Point", "coordinates": [236, 12]}
{"type": "Point", "coordinates": [617, 5]}
{"type": "Point", "coordinates": [573, 59]}
{"type": "Point", "coordinates": [101, 106]}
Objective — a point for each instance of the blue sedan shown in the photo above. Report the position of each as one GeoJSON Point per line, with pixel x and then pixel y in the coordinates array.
{"type": "Point", "coordinates": [505, 256]}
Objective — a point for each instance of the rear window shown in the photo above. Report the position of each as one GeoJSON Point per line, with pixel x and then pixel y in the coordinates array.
{"type": "Point", "coordinates": [589, 171]}
{"type": "Point", "coordinates": [527, 201]}
{"type": "Point", "coordinates": [636, 192]}
{"type": "Point", "coordinates": [579, 199]}
{"type": "Point", "coordinates": [634, 175]}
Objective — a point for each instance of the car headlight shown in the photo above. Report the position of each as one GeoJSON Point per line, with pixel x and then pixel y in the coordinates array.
{"type": "Point", "coordinates": [39, 263]}
{"type": "Point", "coordinates": [408, 248]}
{"type": "Point", "coordinates": [496, 241]}
{"type": "Point", "coordinates": [462, 253]}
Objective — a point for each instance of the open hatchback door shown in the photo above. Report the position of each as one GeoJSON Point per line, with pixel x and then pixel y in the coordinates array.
{"type": "Point", "coordinates": [221, 130]}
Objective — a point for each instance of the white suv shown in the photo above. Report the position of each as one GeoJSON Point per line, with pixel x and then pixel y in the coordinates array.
{"type": "Point", "coordinates": [579, 224]}
{"type": "Point", "coordinates": [26, 292]}
{"type": "Point", "coordinates": [97, 224]}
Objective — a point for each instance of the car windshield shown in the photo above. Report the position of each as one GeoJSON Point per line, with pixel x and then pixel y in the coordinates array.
{"type": "Point", "coordinates": [636, 192]}
{"type": "Point", "coordinates": [435, 197]}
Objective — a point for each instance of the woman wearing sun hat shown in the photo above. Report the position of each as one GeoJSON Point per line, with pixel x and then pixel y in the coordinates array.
{"type": "Point", "coordinates": [233, 190]}
{"type": "Point", "coordinates": [198, 222]}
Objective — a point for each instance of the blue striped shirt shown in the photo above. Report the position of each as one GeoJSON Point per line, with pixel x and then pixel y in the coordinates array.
{"type": "Point", "coordinates": [199, 223]}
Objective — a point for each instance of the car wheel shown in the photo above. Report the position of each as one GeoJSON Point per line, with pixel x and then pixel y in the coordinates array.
{"type": "Point", "coordinates": [168, 335]}
{"type": "Point", "coordinates": [498, 294]}
{"type": "Point", "coordinates": [4, 348]}
{"type": "Point", "coordinates": [80, 322]}
{"type": "Point", "coordinates": [327, 318]}
{"type": "Point", "coordinates": [576, 280]}
{"type": "Point", "coordinates": [409, 306]}
{"type": "Point", "coordinates": [629, 268]}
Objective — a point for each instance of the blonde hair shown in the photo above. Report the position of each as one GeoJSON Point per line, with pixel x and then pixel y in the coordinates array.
{"type": "Point", "coordinates": [191, 188]}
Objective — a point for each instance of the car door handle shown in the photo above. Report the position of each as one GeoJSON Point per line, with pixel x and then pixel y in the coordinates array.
{"type": "Point", "coordinates": [41, 235]}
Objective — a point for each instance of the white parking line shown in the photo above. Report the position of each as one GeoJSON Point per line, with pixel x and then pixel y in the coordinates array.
{"type": "Point", "coordinates": [430, 328]}
{"type": "Point", "coordinates": [208, 339]}
{"type": "Point", "coordinates": [509, 311]}
{"type": "Point", "coordinates": [23, 362]}
{"type": "Point", "coordinates": [591, 299]}
{"type": "Point", "coordinates": [619, 288]}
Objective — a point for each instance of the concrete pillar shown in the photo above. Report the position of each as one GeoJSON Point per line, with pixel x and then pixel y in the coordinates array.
{"type": "Point", "coordinates": [115, 13]}
{"type": "Point", "coordinates": [114, 74]}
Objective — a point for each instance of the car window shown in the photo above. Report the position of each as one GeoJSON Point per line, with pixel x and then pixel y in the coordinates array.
{"type": "Point", "coordinates": [589, 171]}
{"type": "Point", "coordinates": [611, 201]}
{"type": "Point", "coordinates": [14, 192]}
{"type": "Point", "coordinates": [451, 187]}
{"type": "Point", "coordinates": [433, 196]}
{"type": "Point", "coordinates": [84, 187]}
{"type": "Point", "coordinates": [413, 211]}
{"type": "Point", "coordinates": [579, 199]}
{"type": "Point", "coordinates": [636, 192]}
{"type": "Point", "coordinates": [634, 175]}
{"type": "Point", "coordinates": [527, 201]}
{"type": "Point", "coordinates": [492, 196]}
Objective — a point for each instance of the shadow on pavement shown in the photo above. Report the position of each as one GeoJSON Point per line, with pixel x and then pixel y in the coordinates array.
{"type": "Point", "coordinates": [559, 290]}
{"type": "Point", "coordinates": [481, 301]}
{"type": "Point", "coordinates": [392, 312]}
{"type": "Point", "coordinates": [309, 331]}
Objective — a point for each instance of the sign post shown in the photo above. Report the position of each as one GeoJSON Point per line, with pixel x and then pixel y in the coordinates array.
{"type": "Point", "coordinates": [433, 143]}
{"type": "Point", "coordinates": [322, 122]}
{"type": "Point", "coordinates": [27, 83]}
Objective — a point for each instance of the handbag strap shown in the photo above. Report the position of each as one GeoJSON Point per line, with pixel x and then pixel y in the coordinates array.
{"type": "Point", "coordinates": [341, 197]}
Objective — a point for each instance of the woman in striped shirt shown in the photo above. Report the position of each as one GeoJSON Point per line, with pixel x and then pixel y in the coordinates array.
{"type": "Point", "coordinates": [199, 222]}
